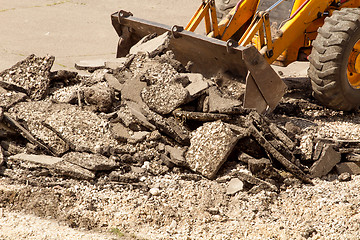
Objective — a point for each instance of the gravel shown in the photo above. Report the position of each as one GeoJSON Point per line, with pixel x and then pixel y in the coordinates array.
{"type": "Point", "coordinates": [189, 209]}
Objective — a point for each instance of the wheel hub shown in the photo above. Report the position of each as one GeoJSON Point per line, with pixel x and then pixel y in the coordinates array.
{"type": "Point", "coordinates": [353, 69]}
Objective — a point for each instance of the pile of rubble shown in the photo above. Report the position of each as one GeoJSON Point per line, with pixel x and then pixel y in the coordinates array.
{"type": "Point", "coordinates": [146, 114]}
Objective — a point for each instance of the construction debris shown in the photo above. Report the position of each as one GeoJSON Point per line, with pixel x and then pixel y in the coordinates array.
{"type": "Point", "coordinates": [328, 159]}
{"type": "Point", "coordinates": [210, 146]}
{"type": "Point", "coordinates": [235, 185]}
{"type": "Point", "coordinates": [143, 115]}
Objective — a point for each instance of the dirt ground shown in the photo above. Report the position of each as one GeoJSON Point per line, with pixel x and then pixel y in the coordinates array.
{"type": "Point", "coordinates": [74, 30]}
{"type": "Point", "coordinates": [174, 205]}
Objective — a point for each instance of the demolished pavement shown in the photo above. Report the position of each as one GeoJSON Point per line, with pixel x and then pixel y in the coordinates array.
{"type": "Point", "coordinates": [146, 114]}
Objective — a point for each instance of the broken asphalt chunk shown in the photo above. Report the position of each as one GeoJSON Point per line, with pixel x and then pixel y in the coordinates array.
{"type": "Point", "coordinates": [24, 132]}
{"type": "Point", "coordinates": [164, 98]}
{"type": "Point", "coordinates": [210, 145]}
{"type": "Point", "coordinates": [328, 159]}
{"type": "Point", "coordinates": [151, 45]}
{"type": "Point", "coordinates": [115, 63]}
{"type": "Point", "coordinates": [68, 169]}
{"type": "Point", "coordinates": [169, 126]}
{"type": "Point", "coordinates": [93, 162]}
{"type": "Point", "coordinates": [113, 82]}
{"type": "Point", "coordinates": [291, 167]}
{"type": "Point", "coordinates": [43, 160]}
{"type": "Point", "coordinates": [10, 98]}
{"type": "Point", "coordinates": [31, 74]}
{"type": "Point", "coordinates": [65, 124]}
{"type": "Point", "coordinates": [177, 155]}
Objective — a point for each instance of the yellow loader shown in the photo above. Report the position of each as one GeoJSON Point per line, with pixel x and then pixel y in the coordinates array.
{"type": "Point", "coordinates": [257, 33]}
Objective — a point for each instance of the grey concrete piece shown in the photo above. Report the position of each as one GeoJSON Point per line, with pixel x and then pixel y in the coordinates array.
{"type": "Point", "coordinates": [195, 89]}
{"type": "Point", "coordinates": [132, 89]}
{"type": "Point", "coordinates": [164, 98]}
{"type": "Point", "coordinates": [90, 65]}
{"type": "Point", "coordinates": [138, 136]}
{"type": "Point", "coordinates": [39, 159]}
{"type": "Point", "coordinates": [177, 155]}
{"type": "Point", "coordinates": [217, 103]}
{"type": "Point", "coordinates": [115, 63]}
{"type": "Point", "coordinates": [235, 185]}
{"type": "Point", "coordinates": [93, 162]}
{"type": "Point", "coordinates": [136, 111]}
{"type": "Point", "coordinates": [120, 132]}
{"type": "Point", "coordinates": [193, 77]}
{"type": "Point", "coordinates": [151, 47]}
{"type": "Point", "coordinates": [68, 169]}
{"type": "Point", "coordinates": [328, 159]}
{"type": "Point", "coordinates": [210, 145]}
{"type": "Point", "coordinates": [113, 82]}
{"type": "Point", "coordinates": [348, 167]}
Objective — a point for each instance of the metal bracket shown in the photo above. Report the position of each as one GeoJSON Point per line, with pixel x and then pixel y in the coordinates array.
{"type": "Point", "coordinates": [230, 45]}
{"type": "Point", "coordinates": [175, 30]}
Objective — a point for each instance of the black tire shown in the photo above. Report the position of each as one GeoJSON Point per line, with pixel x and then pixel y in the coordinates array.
{"type": "Point", "coordinates": [330, 57]}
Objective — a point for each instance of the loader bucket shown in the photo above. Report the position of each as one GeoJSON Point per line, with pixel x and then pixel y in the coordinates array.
{"type": "Point", "coordinates": [209, 56]}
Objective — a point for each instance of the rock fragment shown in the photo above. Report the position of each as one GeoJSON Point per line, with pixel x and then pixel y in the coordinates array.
{"type": "Point", "coordinates": [210, 145]}
{"type": "Point", "coordinates": [115, 63]}
{"type": "Point", "coordinates": [100, 96]}
{"type": "Point", "coordinates": [197, 84]}
{"type": "Point", "coordinates": [67, 94]}
{"type": "Point", "coordinates": [113, 82]}
{"type": "Point", "coordinates": [348, 167]}
{"type": "Point", "coordinates": [93, 162]}
{"type": "Point", "coordinates": [68, 169]}
{"type": "Point", "coordinates": [169, 126]}
{"type": "Point", "coordinates": [218, 103]}
{"type": "Point", "coordinates": [328, 159]}
{"type": "Point", "coordinates": [150, 45]}
{"type": "Point", "coordinates": [235, 185]}
{"type": "Point", "coordinates": [344, 177]}
{"type": "Point", "coordinates": [132, 89]}
{"type": "Point", "coordinates": [177, 155]}
{"type": "Point", "coordinates": [43, 160]}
